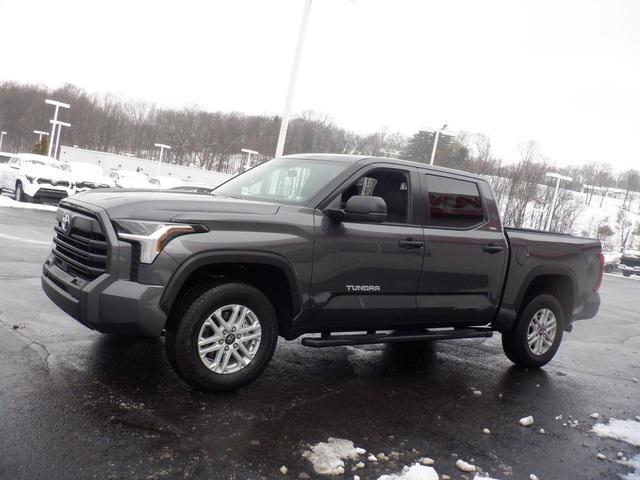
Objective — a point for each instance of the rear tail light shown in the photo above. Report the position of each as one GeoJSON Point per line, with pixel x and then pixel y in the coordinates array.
{"type": "Point", "coordinates": [596, 287]}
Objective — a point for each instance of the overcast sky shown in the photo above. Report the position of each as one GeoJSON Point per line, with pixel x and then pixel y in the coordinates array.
{"type": "Point", "coordinates": [564, 73]}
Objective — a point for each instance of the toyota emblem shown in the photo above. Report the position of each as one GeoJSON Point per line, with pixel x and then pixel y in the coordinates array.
{"type": "Point", "coordinates": [66, 223]}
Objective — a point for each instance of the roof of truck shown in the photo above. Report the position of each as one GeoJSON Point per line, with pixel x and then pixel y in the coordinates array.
{"type": "Point", "coordinates": [371, 159]}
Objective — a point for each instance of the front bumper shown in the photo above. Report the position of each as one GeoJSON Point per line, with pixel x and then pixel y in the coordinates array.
{"type": "Point", "coordinates": [626, 268]}
{"type": "Point", "coordinates": [115, 301]}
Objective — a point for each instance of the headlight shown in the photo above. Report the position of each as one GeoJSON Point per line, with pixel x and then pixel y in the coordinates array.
{"type": "Point", "coordinates": [30, 178]}
{"type": "Point", "coordinates": [153, 236]}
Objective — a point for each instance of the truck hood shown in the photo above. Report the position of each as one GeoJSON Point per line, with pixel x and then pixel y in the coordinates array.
{"type": "Point", "coordinates": [51, 173]}
{"type": "Point", "coordinates": [166, 205]}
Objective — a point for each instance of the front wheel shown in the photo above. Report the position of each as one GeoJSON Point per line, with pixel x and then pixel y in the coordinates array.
{"type": "Point", "coordinates": [224, 339]}
{"type": "Point", "coordinates": [536, 337]}
{"type": "Point", "coordinates": [19, 195]}
{"type": "Point", "coordinates": [626, 274]}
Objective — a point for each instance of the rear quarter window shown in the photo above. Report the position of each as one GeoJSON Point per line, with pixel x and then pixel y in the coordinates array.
{"type": "Point", "coordinates": [453, 203]}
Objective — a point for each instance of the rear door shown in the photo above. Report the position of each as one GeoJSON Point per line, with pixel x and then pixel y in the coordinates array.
{"type": "Point", "coordinates": [465, 252]}
{"type": "Point", "coordinates": [367, 273]}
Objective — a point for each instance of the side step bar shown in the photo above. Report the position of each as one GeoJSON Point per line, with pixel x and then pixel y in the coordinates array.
{"type": "Point", "coordinates": [328, 340]}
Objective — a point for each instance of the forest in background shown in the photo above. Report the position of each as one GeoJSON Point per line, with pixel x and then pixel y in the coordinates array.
{"type": "Point", "coordinates": [208, 139]}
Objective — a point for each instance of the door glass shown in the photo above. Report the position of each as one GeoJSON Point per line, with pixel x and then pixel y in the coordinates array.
{"type": "Point", "coordinates": [390, 185]}
{"type": "Point", "coordinates": [453, 203]}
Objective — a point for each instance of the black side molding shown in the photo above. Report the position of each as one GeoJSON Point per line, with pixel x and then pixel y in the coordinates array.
{"type": "Point", "coordinates": [328, 340]}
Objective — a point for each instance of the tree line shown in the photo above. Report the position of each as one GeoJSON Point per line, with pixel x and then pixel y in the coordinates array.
{"type": "Point", "coordinates": [208, 139]}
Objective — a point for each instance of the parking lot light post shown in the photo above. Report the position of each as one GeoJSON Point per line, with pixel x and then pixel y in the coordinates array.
{"type": "Point", "coordinates": [59, 125]}
{"type": "Point", "coordinates": [249, 153]}
{"type": "Point", "coordinates": [161, 146]}
{"type": "Point", "coordinates": [558, 178]}
{"type": "Point", "coordinates": [440, 131]}
{"type": "Point", "coordinates": [40, 133]}
{"type": "Point", "coordinates": [2, 134]}
{"type": "Point", "coordinates": [284, 124]}
{"type": "Point", "coordinates": [55, 119]}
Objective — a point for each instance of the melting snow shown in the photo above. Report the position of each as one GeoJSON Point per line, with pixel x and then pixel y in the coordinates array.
{"type": "Point", "coordinates": [328, 457]}
{"type": "Point", "coordinates": [625, 430]}
{"type": "Point", "coordinates": [10, 202]}
{"type": "Point", "coordinates": [465, 467]}
{"type": "Point", "coordinates": [635, 464]}
{"type": "Point", "coordinates": [483, 477]}
{"type": "Point", "coordinates": [414, 472]}
{"type": "Point", "coordinates": [526, 421]}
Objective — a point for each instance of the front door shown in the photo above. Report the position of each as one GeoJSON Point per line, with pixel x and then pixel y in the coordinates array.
{"type": "Point", "coordinates": [366, 274]}
{"type": "Point", "coordinates": [465, 253]}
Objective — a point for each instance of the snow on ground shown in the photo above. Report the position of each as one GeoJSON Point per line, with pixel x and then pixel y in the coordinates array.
{"type": "Point", "coordinates": [625, 430]}
{"type": "Point", "coordinates": [6, 201]}
{"type": "Point", "coordinates": [634, 463]}
{"type": "Point", "coordinates": [414, 472]}
{"type": "Point", "coordinates": [328, 457]}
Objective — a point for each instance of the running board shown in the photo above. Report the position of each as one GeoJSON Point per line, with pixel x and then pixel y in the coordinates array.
{"type": "Point", "coordinates": [328, 340]}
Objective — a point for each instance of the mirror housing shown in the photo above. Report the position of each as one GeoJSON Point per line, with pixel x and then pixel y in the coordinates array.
{"type": "Point", "coordinates": [360, 208]}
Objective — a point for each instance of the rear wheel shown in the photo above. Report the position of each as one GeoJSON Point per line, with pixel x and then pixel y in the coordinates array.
{"type": "Point", "coordinates": [224, 339]}
{"type": "Point", "coordinates": [626, 274]}
{"type": "Point", "coordinates": [536, 337]}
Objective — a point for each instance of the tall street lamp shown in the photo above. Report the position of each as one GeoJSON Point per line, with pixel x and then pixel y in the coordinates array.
{"type": "Point", "coordinates": [284, 125]}
{"type": "Point", "coordinates": [161, 146]}
{"type": "Point", "coordinates": [558, 177]}
{"type": "Point", "coordinates": [2, 134]}
{"type": "Point", "coordinates": [55, 119]}
{"type": "Point", "coordinates": [441, 131]}
{"type": "Point", "coordinates": [59, 125]}
{"type": "Point", "coordinates": [40, 133]}
{"type": "Point", "coordinates": [249, 153]}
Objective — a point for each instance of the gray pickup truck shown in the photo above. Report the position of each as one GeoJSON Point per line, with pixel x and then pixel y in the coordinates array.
{"type": "Point", "coordinates": [345, 250]}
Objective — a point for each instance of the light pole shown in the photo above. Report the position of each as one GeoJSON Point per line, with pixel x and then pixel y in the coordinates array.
{"type": "Point", "coordinates": [2, 134]}
{"type": "Point", "coordinates": [40, 133]}
{"type": "Point", "coordinates": [441, 131]}
{"type": "Point", "coordinates": [161, 146]}
{"type": "Point", "coordinates": [249, 153]}
{"type": "Point", "coordinates": [59, 125]}
{"type": "Point", "coordinates": [55, 119]}
{"type": "Point", "coordinates": [293, 78]}
{"type": "Point", "coordinates": [558, 177]}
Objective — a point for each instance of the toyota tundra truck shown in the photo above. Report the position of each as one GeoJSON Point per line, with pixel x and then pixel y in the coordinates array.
{"type": "Point", "coordinates": [342, 250]}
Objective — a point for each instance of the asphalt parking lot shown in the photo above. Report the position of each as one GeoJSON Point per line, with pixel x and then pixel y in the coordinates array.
{"type": "Point", "coordinates": [78, 404]}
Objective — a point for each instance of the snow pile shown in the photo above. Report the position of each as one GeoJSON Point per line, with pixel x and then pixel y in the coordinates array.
{"type": "Point", "coordinates": [414, 472]}
{"type": "Point", "coordinates": [328, 457]}
{"type": "Point", "coordinates": [625, 430]}
{"type": "Point", "coordinates": [10, 202]}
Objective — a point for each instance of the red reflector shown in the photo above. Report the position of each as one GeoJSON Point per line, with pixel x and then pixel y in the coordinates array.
{"type": "Point", "coordinates": [596, 287]}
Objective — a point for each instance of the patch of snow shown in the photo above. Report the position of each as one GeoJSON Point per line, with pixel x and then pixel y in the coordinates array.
{"type": "Point", "coordinates": [360, 451]}
{"type": "Point", "coordinates": [372, 458]}
{"type": "Point", "coordinates": [634, 463]}
{"type": "Point", "coordinates": [328, 457]}
{"type": "Point", "coordinates": [533, 476]}
{"type": "Point", "coordinates": [360, 465]}
{"type": "Point", "coordinates": [356, 477]}
{"type": "Point", "coordinates": [486, 431]}
{"type": "Point", "coordinates": [595, 415]}
{"type": "Point", "coordinates": [624, 430]}
{"type": "Point", "coordinates": [526, 421]}
{"type": "Point", "coordinates": [601, 456]}
{"type": "Point", "coordinates": [10, 202]}
{"type": "Point", "coordinates": [284, 470]}
{"type": "Point", "coordinates": [542, 431]}
{"type": "Point", "coordinates": [414, 472]}
{"type": "Point", "coordinates": [483, 477]}
{"type": "Point", "coordinates": [559, 417]}
{"type": "Point", "coordinates": [465, 467]}
{"type": "Point", "coordinates": [477, 393]}
{"type": "Point", "coordinates": [426, 461]}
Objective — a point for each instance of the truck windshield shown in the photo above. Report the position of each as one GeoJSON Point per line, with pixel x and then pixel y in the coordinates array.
{"type": "Point", "coordinates": [287, 180]}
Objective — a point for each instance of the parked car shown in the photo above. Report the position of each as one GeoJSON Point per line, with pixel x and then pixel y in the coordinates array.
{"type": "Point", "coordinates": [356, 249]}
{"type": "Point", "coordinates": [129, 179]}
{"type": "Point", "coordinates": [611, 261]}
{"type": "Point", "coordinates": [4, 157]}
{"type": "Point", "coordinates": [630, 263]}
{"type": "Point", "coordinates": [163, 182]}
{"type": "Point", "coordinates": [87, 176]}
{"type": "Point", "coordinates": [35, 177]}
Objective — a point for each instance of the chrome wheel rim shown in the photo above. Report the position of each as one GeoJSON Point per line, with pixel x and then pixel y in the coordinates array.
{"type": "Point", "coordinates": [229, 339]}
{"type": "Point", "coordinates": [541, 332]}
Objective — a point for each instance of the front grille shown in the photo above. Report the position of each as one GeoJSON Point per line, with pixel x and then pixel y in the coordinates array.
{"type": "Point", "coordinates": [81, 252]}
{"type": "Point", "coordinates": [62, 183]}
{"type": "Point", "coordinates": [631, 261]}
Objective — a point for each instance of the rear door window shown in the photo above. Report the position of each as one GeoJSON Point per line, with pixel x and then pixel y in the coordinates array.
{"type": "Point", "coordinates": [453, 203]}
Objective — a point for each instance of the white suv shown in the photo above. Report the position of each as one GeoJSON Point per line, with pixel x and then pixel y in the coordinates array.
{"type": "Point", "coordinates": [35, 177]}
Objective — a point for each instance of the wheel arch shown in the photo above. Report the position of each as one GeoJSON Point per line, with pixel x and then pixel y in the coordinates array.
{"type": "Point", "coordinates": [269, 273]}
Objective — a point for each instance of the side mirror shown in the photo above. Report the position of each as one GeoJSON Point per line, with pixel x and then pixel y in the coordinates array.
{"type": "Point", "coordinates": [360, 208]}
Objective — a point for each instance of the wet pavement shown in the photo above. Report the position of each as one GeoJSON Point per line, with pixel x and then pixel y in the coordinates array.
{"type": "Point", "coordinates": [78, 404]}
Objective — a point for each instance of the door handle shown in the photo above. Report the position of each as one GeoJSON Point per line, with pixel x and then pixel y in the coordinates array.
{"type": "Point", "coordinates": [491, 249]}
{"type": "Point", "coordinates": [410, 244]}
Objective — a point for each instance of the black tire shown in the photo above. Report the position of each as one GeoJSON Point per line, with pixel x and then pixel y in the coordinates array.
{"type": "Point", "coordinates": [514, 342]}
{"type": "Point", "coordinates": [19, 194]}
{"type": "Point", "coordinates": [626, 274]}
{"type": "Point", "coordinates": [608, 268]}
{"type": "Point", "coordinates": [183, 331]}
